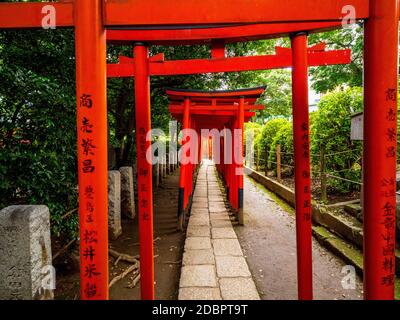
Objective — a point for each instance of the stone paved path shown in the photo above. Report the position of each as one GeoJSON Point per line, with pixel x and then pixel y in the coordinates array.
{"type": "Point", "coordinates": [213, 266]}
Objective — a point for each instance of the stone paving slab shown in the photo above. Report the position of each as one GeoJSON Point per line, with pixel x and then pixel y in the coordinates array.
{"type": "Point", "coordinates": [198, 257]}
{"type": "Point", "coordinates": [198, 231]}
{"type": "Point", "coordinates": [200, 220]}
{"type": "Point", "coordinates": [238, 289]}
{"type": "Point", "coordinates": [220, 223]}
{"type": "Point", "coordinates": [227, 247]}
{"type": "Point", "coordinates": [220, 217]}
{"type": "Point", "coordinates": [213, 264]}
{"type": "Point", "coordinates": [196, 205]}
{"type": "Point", "coordinates": [199, 211]}
{"type": "Point", "coordinates": [218, 210]}
{"type": "Point", "coordinates": [217, 205]}
{"type": "Point", "coordinates": [198, 276]}
{"type": "Point", "coordinates": [215, 199]}
{"type": "Point", "coordinates": [197, 243]}
{"type": "Point", "coordinates": [199, 294]}
{"type": "Point", "coordinates": [223, 233]}
{"type": "Point", "coordinates": [232, 267]}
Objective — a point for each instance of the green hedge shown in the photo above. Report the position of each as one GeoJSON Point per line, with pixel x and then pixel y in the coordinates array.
{"type": "Point", "coordinates": [284, 138]}
{"type": "Point", "coordinates": [330, 129]}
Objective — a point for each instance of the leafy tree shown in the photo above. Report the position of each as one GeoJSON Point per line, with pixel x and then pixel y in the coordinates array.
{"type": "Point", "coordinates": [37, 120]}
{"type": "Point", "coordinates": [328, 78]}
{"type": "Point", "coordinates": [330, 130]}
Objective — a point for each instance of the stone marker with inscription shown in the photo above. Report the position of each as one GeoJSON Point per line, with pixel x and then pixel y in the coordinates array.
{"type": "Point", "coordinates": [26, 271]}
{"type": "Point", "coordinates": [127, 192]}
{"type": "Point", "coordinates": [114, 204]}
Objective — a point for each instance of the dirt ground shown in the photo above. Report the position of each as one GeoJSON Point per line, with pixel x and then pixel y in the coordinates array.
{"type": "Point", "coordinates": [268, 241]}
{"type": "Point", "coordinates": [168, 249]}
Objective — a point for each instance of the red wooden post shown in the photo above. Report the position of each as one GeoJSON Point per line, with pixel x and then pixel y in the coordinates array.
{"type": "Point", "coordinates": [183, 168]}
{"type": "Point", "coordinates": [380, 137]}
{"type": "Point", "coordinates": [240, 173]}
{"type": "Point", "coordinates": [145, 188]}
{"type": "Point", "coordinates": [92, 148]}
{"type": "Point", "coordinates": [234, 186]}
{"type": "Point", "coordinates": [229, 165]}
{"type": "Point", "coordinates": [227, 154]}
{"type": "Point", "coordinates": [210, 153]}
{"type": "Point", "coordinates": [217, 49]}
{"type": "Point", "coordinates": [200, 146]}
{"type": "Point", "coordinates": [192, 158]}
{"type": "Point", "coordinates": [301, 141]}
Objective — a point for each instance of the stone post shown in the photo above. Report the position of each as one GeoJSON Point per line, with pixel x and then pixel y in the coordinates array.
{"type": "Point", "coordinates": [165, 166]}
{"type": "Point", "coordinates": [167, 160]}
{"type": "Point", "coordinates": [156, 175]}
{"type": "Point", "coordinates": [114, 204]}
{"type": "Point", "coordinates": [127, 192]}
{"type": "Point", "coordinates": [26, 271]}
{"type": "Point", "coordinates": [160, 172]}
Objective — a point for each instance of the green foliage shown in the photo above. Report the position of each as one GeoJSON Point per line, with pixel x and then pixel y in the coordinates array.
{"type": "Point", "coordinates": [328, 78]}
{"type": "Point", "coordinates": [330, 130]}
{"type": "Point", "coordinates": [284, 138]}
{"type": "Point", "coordinates": [37, 121]}
{"type": "Point", "coordinates": [269, 131]}
{"type": "Point", "coordinates": [278, 95]}
{"type": "Point", "coordinates": [255, 128]}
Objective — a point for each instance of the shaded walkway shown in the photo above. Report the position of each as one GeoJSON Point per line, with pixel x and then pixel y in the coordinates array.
{"type": "Point", "coordinates": [213, 263]}
{"type": "Point", "coordinates": [269, 243]}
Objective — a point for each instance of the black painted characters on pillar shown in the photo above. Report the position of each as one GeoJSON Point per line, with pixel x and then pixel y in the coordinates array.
{"type": "Point", "coordinates": [306, 173]}
{"type": "Point", "coordinates": [388, 191]}
{"type": "Point", "coordinates": [89, 240]}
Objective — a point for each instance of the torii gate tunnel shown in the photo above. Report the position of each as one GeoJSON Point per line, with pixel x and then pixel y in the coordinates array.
{"type": "Point", "coordinates": [147, 22]}
{"type": "Point", "coordinates": [204, 116]}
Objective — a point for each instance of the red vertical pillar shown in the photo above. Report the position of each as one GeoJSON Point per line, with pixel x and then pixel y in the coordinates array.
{"type": "Point", "coordinates": [92, 148]}
{"type": "Point", "coordinates": [210, 148]}
{"type": "Point", "coordinates": [182, 202]}
{"type": "Point", "coordinates": [226, 165]}
{"type": "Point", "coordinates": [239, 170]}
{"type": "Point", "coordinates": [192, 157]}
{"type": "Point", "coordinates": [223, 157]}
{"type": "Point", "coordinates": [233, 187]}
{"type": "Point", "coordinates": [301, 140]}
{"type": "Point", "coordinates": [218, 49]}
{"type": "Point", "coordinates": [200, 156]}
{"type": "Point", "coordinates": [144, 169]}
{"type": "Point", "coordinates": [380, 142]}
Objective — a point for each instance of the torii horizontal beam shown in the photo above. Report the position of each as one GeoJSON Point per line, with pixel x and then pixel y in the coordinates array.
{"type": "Point", "coordinates": [179, 108]}
{"type": "Point", "coordinates": [217, 113]}
{"type": "Point", "coordinates": [232, 95]}
{"type": "Point", "coordinates": [206, 12]}
{"type": "Point", "coordinates": [281, 59]}
{"type": "Point", "coordinates": [206, 102]}
{"type": "Point", "coordinates": [29, 14]}
{"type": "Point", "coordinates": [136, 13]}
{"type": "Point", "coordinates": [229, 34]}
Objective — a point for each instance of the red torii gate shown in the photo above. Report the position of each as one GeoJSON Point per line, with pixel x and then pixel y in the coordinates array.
{"type": "Point", "coordinates": [283, 58]}
{"type": "Point", "coordinates": [197, 110]}
{"type": "Point", "coordinates": [91, 18]}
